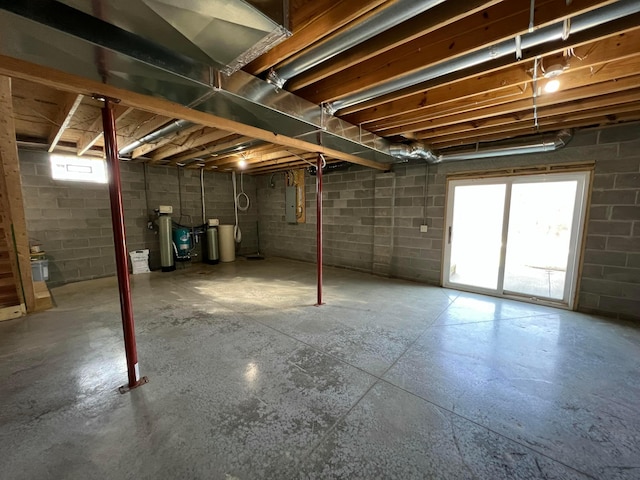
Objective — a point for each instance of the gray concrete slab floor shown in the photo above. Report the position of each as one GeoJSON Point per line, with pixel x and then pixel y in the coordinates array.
{"type": "Point", "coordinates": [250, 380]}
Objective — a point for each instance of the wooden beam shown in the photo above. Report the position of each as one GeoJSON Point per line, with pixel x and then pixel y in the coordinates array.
{"type": "Point", "coordinates": [145, 127]}
{"type": "Point", "coordinates": [252, 158]}
{"type": "Point", "coordinates": [589, 95]}
{"type": "Point", "coordinates": [195, 140]}
{"type": "Point", "coordinates": [94, 131]}
{"type": "Point", "coordinates": [11, 188]}
{"type": "Point", "coordinates": [333, 16]}
{"type": "Point", "coordinates": [573, 108]}
{"type": "Point", "coordinates": [90, 136]}
{"type": "Point", "coordinates": [612, 119]}
{"type": "Point", "coordinates": [599, 61]}
{"type": "Point", "coordinates": [432, 19]}
{"type": "Point", "coordinates": [66, 112]}
{"type": "Point", "coordinates": [233, 157]}
{"type": "Point", "coordinates": [288, 157]}
{"type": "Point", "coordinates": [72, 83]}
{"type": "Point", "coordinates": [578, 119]}
{"type": "Point", "coordinates": [229, 141]}
{"type": "Point", "coordinates": [169, 139]}
{"type": "Point", "coordinates": [501, 22]}
{"type": "Point", "coordinates": [285, 167]}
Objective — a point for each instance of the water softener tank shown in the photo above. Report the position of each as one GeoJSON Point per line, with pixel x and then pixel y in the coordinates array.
{"type": "Point", "coordinates": [213, 256]}
{"type": "Point", "coordinates": [182, 241]}
{"type": "Point", "coordinates": [166, 245]}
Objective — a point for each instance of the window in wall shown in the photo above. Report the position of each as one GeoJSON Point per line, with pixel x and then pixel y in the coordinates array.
{"type": "Point", "coordinates": [66, 167]}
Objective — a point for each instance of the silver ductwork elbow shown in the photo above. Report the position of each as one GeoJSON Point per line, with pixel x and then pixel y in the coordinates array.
{"type": "Point", "coordinates": [416, 150]}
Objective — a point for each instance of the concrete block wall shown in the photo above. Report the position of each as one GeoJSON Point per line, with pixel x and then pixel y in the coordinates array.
{"type": "Point", "coordinates": [72, 220]}
{"type": "Point", "coordinates": [389, 242]}
{"type": "Point", "coordinates": [181, 189]}
{"type": "Point", "coordinates": [348, 219]}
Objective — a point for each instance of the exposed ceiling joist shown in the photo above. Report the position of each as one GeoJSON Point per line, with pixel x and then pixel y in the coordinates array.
{"type": "Point", "coordinates": [66, 112]}
{"type": "Point", "coordinates": [174, 139]}
{"type": "Point", "coordinates": [94, 131]}
{"type": "Point", "coordinates": [501, 22]}
{"type": "Point", "coordinates": [194, 140]}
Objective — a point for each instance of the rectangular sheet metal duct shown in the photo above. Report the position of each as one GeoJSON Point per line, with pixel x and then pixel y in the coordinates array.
{"type": "Point", "coordinates": [226, 33]}
{"type": "Point", "coordinates": [77, 43]}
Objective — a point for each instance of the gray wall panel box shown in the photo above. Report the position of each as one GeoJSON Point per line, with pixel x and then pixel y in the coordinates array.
{"type": "Point", "coordinates": [165, 209]}
{"type": "Point", "coordinates": [290, 205]}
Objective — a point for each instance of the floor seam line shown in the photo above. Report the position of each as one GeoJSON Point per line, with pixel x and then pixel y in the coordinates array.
{"type": "Point", "coordinates": [502, 435]}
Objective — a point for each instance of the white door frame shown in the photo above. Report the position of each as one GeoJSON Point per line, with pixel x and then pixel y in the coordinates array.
{"type": "Point", "coordinates": [577, 229]}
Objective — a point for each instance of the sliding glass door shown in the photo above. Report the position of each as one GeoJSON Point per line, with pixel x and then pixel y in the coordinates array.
{"type": "Point", "coordinates": [516, 236]}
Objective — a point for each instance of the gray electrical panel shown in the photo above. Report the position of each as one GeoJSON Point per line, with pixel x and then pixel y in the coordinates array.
{"type": "Point", "coordinates": [290, 205]}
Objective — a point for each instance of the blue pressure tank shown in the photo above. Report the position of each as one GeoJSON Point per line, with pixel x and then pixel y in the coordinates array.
{"type": "Point", "coordinates": [182, 241]}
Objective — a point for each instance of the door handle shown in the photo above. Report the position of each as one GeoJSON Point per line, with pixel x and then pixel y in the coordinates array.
{"type": "Point", "coordinates": [449, 235]}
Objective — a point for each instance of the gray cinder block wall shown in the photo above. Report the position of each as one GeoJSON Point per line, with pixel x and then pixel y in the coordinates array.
{"type": "Point", "coordinates": [387, 239]}
{"type": "Point", "coordinates": [72, 220]}
{"type": "Point", "coordinates": [348, 219]}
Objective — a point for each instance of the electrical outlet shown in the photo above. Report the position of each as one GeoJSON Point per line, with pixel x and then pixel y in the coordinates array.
{"type": "Point", "coordinates": [424, 228]}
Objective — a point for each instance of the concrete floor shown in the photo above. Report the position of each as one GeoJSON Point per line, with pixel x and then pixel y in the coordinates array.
{"type": "Point", "coordinates": [248, 380]}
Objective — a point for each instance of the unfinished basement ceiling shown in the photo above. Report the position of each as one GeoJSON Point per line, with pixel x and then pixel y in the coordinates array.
{"type": "Point", "coordinates": [361, 77]}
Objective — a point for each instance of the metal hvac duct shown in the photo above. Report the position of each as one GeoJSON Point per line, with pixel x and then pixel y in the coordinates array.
{"type": "Point", "coordinates": [75, 42]}
{"type": "Point", "coordinates": [536, 145]}
{"type": "Point", "coordinates": [205, 30]}
{"type": "Point", "coordinates": [158, 134]}
{"type": "Point", "coordinates": [384, 19]}
{"type": "Point", "coordinates": [579, 23]}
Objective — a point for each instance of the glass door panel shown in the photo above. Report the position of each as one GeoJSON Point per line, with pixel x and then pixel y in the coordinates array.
{"type": "Point", "coordinates": [538, 241]}
{"type": "Point", "coordinates": [475, 235]}
{"type": "Point", "coordinates": [516, 236]}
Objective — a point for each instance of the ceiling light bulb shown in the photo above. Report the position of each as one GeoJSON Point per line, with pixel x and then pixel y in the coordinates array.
{"type": "Point", "coordinates": [242, 163]}
{"type": "Point", "coordinates": [552, 86]}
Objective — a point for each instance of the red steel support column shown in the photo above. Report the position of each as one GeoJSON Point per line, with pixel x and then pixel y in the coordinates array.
{"type": "Point", "coordinates": [319, 225]}
{"type": "Point", "coordinates": [117, 220]}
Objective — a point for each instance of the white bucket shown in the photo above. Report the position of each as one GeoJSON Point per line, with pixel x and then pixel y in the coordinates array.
{"type": "Point", "coordinates": [227, 243]}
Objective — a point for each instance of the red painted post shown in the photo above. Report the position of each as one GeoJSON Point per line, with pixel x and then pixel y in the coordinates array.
{"type": "Point", "coordinates": [319, 225]}
{"type": "Point", "coordinates": [122, 266]}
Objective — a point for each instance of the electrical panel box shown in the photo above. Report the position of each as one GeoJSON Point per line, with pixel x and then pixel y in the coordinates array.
{"type": "Point", "coordinates": [290, 204]}
{"type": "Point", "coordinates": [165, 209]}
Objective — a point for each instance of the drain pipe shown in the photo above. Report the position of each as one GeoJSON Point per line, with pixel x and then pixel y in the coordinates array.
{"type": "Point", "coordinates": [557, 31]}
{"type": "Point", "coordinates": [156, 135]}
{"type": "Point", "coordinates": [398, 12]}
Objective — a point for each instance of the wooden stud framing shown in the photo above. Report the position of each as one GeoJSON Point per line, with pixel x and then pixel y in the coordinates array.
{"type": "Point", "coordinates": [11, 189]}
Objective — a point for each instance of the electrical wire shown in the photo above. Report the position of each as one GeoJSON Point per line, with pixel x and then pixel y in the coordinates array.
{"type": "Point", "coordinates": [237, 233]}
